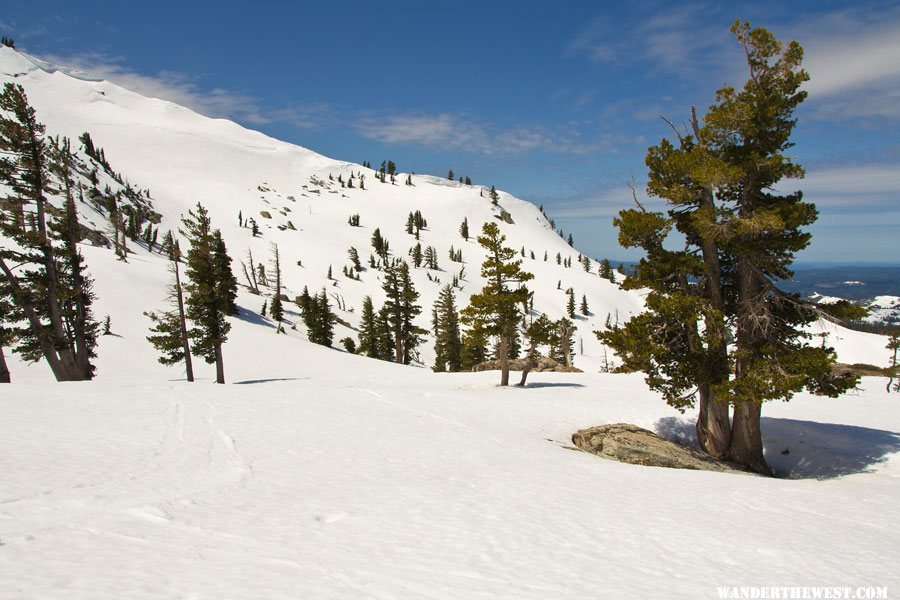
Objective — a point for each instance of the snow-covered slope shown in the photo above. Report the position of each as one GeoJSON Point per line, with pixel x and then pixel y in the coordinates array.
{"type": "Point", "coordinates": [184, 158]}
{"type": "Point", "coordinates": [318, 474]}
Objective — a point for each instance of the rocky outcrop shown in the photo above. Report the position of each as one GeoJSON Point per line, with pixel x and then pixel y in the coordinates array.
{"type": "Point", "coordinates": [635, 445]}
{"type": "Point", "coordinates": [542, 364]}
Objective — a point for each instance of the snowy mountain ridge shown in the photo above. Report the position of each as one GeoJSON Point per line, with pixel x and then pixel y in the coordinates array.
{"type": "Point", "coordinates": [294, 196]}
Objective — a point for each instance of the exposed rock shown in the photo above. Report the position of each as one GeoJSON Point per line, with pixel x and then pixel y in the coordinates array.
{"type": "Point", "coordinates": [265, 214]}
{"type": "Point", "coordinates": [629, 443]}
{"type": "Point", "coordinates": [544, 364]}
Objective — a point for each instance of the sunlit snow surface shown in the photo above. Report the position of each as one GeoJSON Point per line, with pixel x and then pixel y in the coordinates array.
{"type": "Point", "coordinates": [316, 474]}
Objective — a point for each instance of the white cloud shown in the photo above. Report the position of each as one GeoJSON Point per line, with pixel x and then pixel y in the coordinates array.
{"type": "Point", "coordinates": [461, 133]}
{"type": "Point", "coordinates": [868, 187]}
{"type": "Point", "coordinates": [679, 40]}
{"type": "Point", "coordinates": [853, 58]}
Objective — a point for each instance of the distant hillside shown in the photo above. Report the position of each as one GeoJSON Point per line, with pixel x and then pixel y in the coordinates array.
{"type": "Point", "coordinates": [852, 283]}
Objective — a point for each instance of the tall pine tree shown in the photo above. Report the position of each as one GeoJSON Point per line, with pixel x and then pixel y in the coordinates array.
{"type": "Point", "coordinates": [495, 310]}
{"type": "Point", "coordinates": [211, 287]}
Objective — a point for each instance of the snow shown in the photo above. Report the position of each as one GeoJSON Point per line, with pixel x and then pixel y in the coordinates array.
{"type": "Point", "coordinates": [318, 474]}
{"type": "Point", "coordinates": [400, 483]}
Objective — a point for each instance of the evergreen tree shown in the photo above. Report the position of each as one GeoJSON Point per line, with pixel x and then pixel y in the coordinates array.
{"type": "Point", "coordinates": [319, 320]}
{"type": "Point", "coordinates": [228, 285]}
{"type": "Point", "coordinates": [468, 181]}
{"type": "Point", "coordinates": [893, 369]}
{"type": "Point", "coordinates": [445, 327]}
{"type": "Point", "coordinates": [402, 310]}
{"type": "Point", "coordinates": [353, 255]}
{"type": "Point", "coordinates": [474, 347]}
{"type": "Point", "coordinates": [368, 341]}
{"type": "Point", "coordinates": [43, 273]}
{"type": "Point", "coordinates": [584, 305]}
{"type": "Point", "coordinates": [570, 303]}
{"type": "Point", "coordinates": [416, 255]}
{"type": "Point", "coordinates": [464, 229]}
{"type": "Point", "coordinates": [430, 258]}
{"type": "Point", "coordinates": [450, 175]}
{"type": "Point", "coordinates": [211, 291]}
{"type": "Point", "coordinates": [495, 310]}
{"type": "Point", "coordinates": [383, 335]}
{"type": "Point", "coordinates": [276, 309]}
{"type": "Point", "coordinates": [742, 238]}
{"type": "Point", "coordinates": [7, 332]}
{"type": "Point", "coordinates": [494, 196]}
{"type": "Point", "coordinates": [170, 327]}
{"type": "Point", "coordinates": [605, 269]}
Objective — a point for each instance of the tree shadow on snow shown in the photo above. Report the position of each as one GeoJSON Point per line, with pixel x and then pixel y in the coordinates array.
{"type": "Point", "coordinates": [270, 380]}
{"type": "Point", "coordinates": [807, 449]}
{"type": "Point", "coordinates": [254, 318]}
{"type": "Point", "coordinates": [548, 384]}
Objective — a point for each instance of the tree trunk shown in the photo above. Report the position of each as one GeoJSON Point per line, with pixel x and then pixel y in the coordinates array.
{"type": "Point", "coordinates": [188, 363]}
{"type": "Point", "coordinates": [503, 356]}
{"type": "Point", "coordinates": [530, 362]}
{"type": "Point", "coordinates": [746, 447]}
{"type": "Point", "coordinates": [4, 370]}
{"type": "Point", "coordinates": [220, 367]}
{"type": "Point", "coordinates": [34, 322]}
{"type": "Point", "coordinates": [565, 346]}
{"type": "Point", "coordinates": [713, 425]}
{"type": "Point", "coordinates": [746, 435]}
{"type": "Point", "coordinates": [82, 352]}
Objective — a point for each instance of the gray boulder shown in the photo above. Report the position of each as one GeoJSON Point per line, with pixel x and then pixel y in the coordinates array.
{"type": "Point", "coordinates": [629, 443]}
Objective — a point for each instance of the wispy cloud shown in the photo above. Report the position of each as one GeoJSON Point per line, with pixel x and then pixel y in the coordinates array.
{"type": "Point", "coordinates": [872, 188]}
{"type": "Point", "coordinates": [853, 58]}
{"type": "Point", "coordinates": [184, 90]}
{"type": "Point", "coordinates": [682, 41]}
{"type": "Point", "coordinates": [459, 132]}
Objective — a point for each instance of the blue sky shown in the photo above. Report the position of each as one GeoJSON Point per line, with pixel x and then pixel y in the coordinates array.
{"type": "Point", "coordinates": [556, 104]}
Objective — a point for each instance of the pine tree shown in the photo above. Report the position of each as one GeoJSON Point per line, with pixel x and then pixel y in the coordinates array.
{"type": "Point", "coordinates": [495, 310]}
{"type": "Point", "coordinates": [464, 229]}
{"type": "Point", "coordinates": [494, 196]}
{"type": "Point", "coordinates": [368, 342]}
{"type": "Point", "coordinates": [893, 369]}
{"type": "Point", "coordinates": [43, 273]}
{"type": "Point", "coordinates": [7, 333]}
{"type": "Point", "coordinates": [353, 255]}
{"type": "Point", "coordinates": [584, 305]}
{"type": "Point", "coordinates": [430, 258]}
{"type": "Point", "coordinates": [468, 181]}
{"type": "Point", "coordinates": [170, 327]}
{"type": "Point", "coordinates": [210, 293]}
{"type": "Point", "coordinates": [570, 303]}
{"type": "Point", "coordinates": [319, 320]}
{"type": "Point", "coordinates": [445, 327]}
{"type": "Point", "coordinates": [383, 335]}
{"type": "Point", "coordinates": [402, 310]}
{"type": "Point", "coordinates": [474, 347]}
{"type": "Point", "coordinates": [450, 175]}
{"type": "Point", "coordinates": [416, 255]}
{"type": "Point", "coordinates": [742, 238]}
{"type": "Point", "coordinates": [276, 309]}
{"type": "Point", "coordinates": [571, 240]}
{"type": "Point", "coordinates": [605, 270]}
